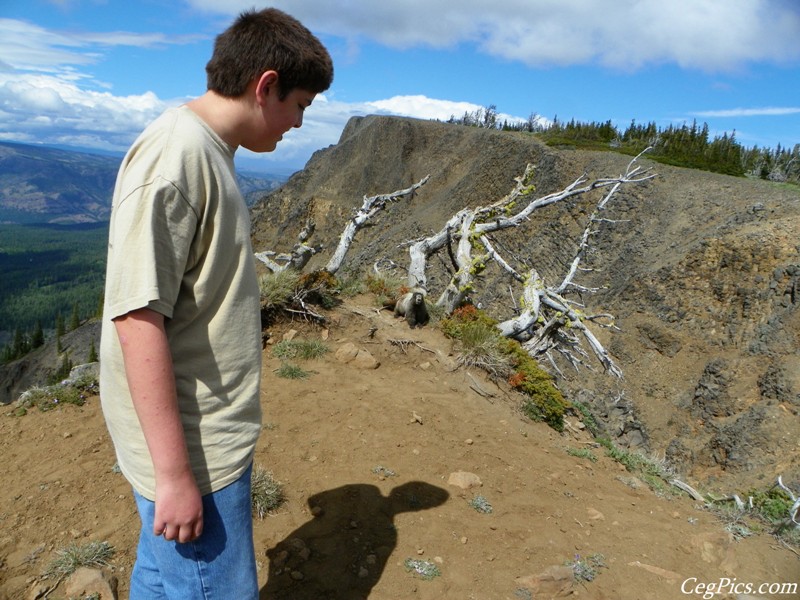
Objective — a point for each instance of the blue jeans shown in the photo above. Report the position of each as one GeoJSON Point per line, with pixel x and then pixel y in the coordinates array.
{"type": "Point", "coordinates": [219, 565]}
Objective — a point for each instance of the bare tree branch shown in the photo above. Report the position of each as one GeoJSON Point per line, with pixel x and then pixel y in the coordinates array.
{"type": "Point", "coordinates": [369, 208]}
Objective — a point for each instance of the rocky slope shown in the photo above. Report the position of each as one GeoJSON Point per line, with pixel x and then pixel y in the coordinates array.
{"type": "Point", "coordinates": [700, 270]}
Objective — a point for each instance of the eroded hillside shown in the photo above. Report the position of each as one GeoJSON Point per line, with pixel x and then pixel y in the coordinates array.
{"type": "Point", "coordinates": [700, 270]}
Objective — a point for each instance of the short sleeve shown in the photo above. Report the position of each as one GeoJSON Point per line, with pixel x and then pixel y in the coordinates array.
{"type": "Point", "coordinates": [150, 241]}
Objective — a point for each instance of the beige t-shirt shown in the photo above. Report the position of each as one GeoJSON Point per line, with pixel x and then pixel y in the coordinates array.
{"type": "Point", "coordinates": [179, 244]}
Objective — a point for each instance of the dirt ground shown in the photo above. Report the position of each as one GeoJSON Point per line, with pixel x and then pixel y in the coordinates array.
{"type": "Point", "coordinates": [365, 455]}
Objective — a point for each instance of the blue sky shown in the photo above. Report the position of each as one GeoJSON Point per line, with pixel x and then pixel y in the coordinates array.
{"type": "Point", "coordinates": [93, 73]}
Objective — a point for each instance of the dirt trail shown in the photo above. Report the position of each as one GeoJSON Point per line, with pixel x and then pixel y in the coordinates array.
{"type": "Point", "coordinates": [371, 452]}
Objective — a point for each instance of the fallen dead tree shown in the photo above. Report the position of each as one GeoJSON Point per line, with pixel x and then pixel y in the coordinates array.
{"type": "Point", "coordinates": [548, 321]}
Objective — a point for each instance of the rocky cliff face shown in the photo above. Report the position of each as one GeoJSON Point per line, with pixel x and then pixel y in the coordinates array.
{"type": "Point", "coordinates": [701, 271]}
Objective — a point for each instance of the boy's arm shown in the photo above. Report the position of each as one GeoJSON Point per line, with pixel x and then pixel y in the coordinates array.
{"type": "Point", "coordinates": [148, 368]}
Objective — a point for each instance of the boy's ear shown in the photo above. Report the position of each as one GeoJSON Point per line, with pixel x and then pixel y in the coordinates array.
{"type": "Point", "coordinates": [267, 83]}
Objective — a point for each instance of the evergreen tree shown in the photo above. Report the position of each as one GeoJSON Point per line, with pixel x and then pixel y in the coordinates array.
{"type": "Point", "coordinates": [59, 331]}
{"type": "Point", "coordinates": [37, 339]}
{"type": "Point", "coordinates": [75, 320]}
{"type": "Point", "coordinates": [92, 354]}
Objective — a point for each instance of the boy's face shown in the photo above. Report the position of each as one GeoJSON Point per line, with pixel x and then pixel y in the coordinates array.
{"type": "Point", "coordinates": [278, 116]}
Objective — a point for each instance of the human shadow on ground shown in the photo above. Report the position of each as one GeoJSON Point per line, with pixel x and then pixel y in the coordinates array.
{"type": "Point", "coordinates": [341, 553]}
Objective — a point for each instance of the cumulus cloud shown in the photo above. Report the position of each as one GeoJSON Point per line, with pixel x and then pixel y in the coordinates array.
{"type": "Point", "coordinates": [43, 106]}
{"type": "Point", "coordinates": [712, 35]}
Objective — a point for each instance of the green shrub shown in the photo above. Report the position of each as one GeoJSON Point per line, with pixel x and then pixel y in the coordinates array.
{"type": "Point", "coordinates": [303, 349]}
{"type": "Point", "coordinates": [387, 288]}
{"type": "Point", "coordinates": [653, 472]}
{"type": "Point", "coordinates": [350, 283]}
{"type": "Point", "coordinates": [290, 371]}
{"type": "Point", "coordinates": [582, 453]}
{"type": "Point", "coordinates": [278, 288]}
{"type": "Point", "coordinates": [74, 556]}
{"type": "Point", "coordinates": [480, 340]}
{"type": "Point", "coordinates": [50, 397]}
{"type": "Point", "coordinates": [772, 505]}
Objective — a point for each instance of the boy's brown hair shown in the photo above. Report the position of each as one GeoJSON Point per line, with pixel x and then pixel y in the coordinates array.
{"type": "Point", "coordinates": [265, 40]}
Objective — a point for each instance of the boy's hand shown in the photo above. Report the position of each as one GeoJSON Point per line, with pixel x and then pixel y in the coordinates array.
{"type": "Point", "coordinates": [179, 509]}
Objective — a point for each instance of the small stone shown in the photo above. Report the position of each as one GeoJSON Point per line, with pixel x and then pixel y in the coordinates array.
{"type": "Point", "coordinates": [290, 335]}
{"type": "Point", "coordinates": [372, 559]}
{"type": "Point", "coordinates": [595, 514]}
{"type": "Point", "coordinates": [464, 480]}
{"type": "Point", "coordinates": [317, 511]}
{"type": "Point", "coordinates": [468, 441]}
{"type": "Point", "coordinates": [296, 575]}
{"type": "Point", "coordinates": [425, 366]}
{"type": "Point", "coordinates": [347, 352]}
{"type": "Point", "coordinates": [554, 582]}
{"type": "Point", "coordinates": [66, 435]}
{"type": "Point", "coordinates": [463, 539]}
{"type": "Point", "coordinates": [86, 582]}
{"type": "Point", "coordinates": [365, 360]}
{"type": "Point", "coordinates": [363, 573]}
{"type": "Point", "coordinates": [280, 559]}
{"type": "Point", "coordinates": [420, 551]}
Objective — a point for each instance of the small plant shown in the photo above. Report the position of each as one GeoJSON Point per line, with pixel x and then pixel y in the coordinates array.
{"type": "Point", "coordinates": [267, 494]}
{"type": "Point", "coordinates": [543, 401]}
{"type": "Point", "coordinates": [424, 568]}
{"type": "Point", "coordinates": [772, 505]}
{"type": "Point", "coordinates": [349, 283]}
{"type": "Point", "coordinates": [290, 371]}
{"type": "Point", "coordinates": [481, 504]}
{"type": "Point", "coordinates": [303, 349]}
{"type": "Point", "coordinates": [653, 472]}
{"type": "Point", "coordinates": [74, 556]}
{"type": "Point", "coordinates": [50, 397]}
{"type": "Point", "coordinates": [586, 569]}
{"type": "Point", "coordinates": [277, 288]}
{"type": "Point", "coordinates": [320, 288]}
{"type": "Point", "coordinates": [379, 470]}
{"type": "Point", "coordinates": [480, 346]}
{"type": "Point", "coordinates": [587, 418]}
{"type": "Point", "coordinates": [582, 453]}
{"type": "Point", "coordinates": [386, 288]}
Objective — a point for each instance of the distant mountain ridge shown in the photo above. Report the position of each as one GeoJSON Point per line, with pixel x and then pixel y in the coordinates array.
{"type": "Point", "coordinates": [39, 184]}
{"type": "Point", "coordinates": [46, 185]}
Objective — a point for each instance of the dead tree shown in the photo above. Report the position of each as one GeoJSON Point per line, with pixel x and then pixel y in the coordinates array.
{"type": "Point", "coordinates": [547, 321]}
{"type": "Point", "coordinates": [302, 253]}
{"type": "Point", "coordinates": [369, 208]}
{"type": "Point", "coordinates": [298, 258]}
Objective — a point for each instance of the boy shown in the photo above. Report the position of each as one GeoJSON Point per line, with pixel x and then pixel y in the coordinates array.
{"type": "Point", "coordinates": [180, 349]}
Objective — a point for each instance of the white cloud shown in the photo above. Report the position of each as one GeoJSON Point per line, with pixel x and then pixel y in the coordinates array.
{"type": "Point", "coordinates": [25, 46]}
{"type": "Point", "coordinates": [33, 107]}
{"type": "Point", "coordinates": [773, 111]}
{"type": "Point", "coordinates": [713, 35]}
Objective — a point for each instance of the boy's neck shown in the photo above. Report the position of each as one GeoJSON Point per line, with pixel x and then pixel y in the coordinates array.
{"type": "Point", "coordinates": [223, 115]}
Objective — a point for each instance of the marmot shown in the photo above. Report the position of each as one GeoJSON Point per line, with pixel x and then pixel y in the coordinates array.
{"type": "Point", "coordinates": [412, 307]}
